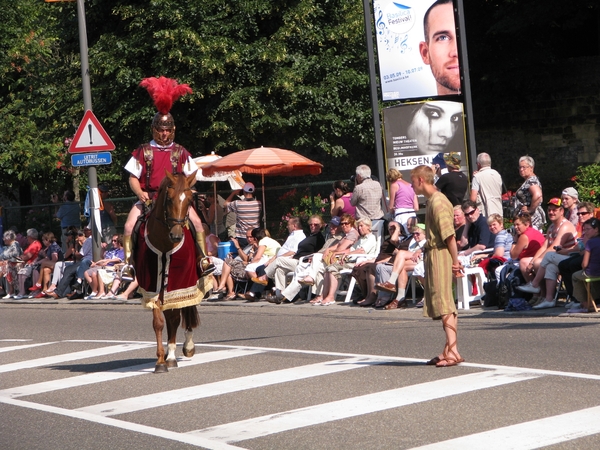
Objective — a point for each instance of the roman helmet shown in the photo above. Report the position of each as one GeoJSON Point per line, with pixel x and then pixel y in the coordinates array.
{"type": "Point", "coordinates": [164, 92]}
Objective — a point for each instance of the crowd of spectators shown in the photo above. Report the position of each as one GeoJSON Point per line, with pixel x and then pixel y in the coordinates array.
{"type": "Point", "coordinates": [556, 244]}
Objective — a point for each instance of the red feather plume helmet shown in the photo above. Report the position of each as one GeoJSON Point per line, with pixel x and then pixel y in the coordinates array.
{"type": "Point", "coordinates": [164, 92]}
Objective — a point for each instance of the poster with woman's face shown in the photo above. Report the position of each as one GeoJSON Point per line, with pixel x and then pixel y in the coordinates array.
{"type": "Point", "coordinates": [415, 133]}
{"type": "Point", "coordinates": [417, 48]}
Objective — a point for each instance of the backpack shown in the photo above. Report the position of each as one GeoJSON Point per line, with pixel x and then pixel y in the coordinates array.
{"type": "Point", "coordinates": [510, 277]}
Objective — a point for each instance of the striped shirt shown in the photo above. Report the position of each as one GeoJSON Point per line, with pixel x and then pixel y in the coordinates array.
{"type": "Point", "coordinates": [248, 215]}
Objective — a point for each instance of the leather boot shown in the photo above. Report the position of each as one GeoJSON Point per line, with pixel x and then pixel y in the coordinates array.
{"type": "Point", "coordinates": [206, 266]}
{"type": "Point", "coordinates": [128, 272]}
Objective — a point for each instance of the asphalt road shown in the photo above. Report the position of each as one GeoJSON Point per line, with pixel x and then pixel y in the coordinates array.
{"type": "Point", "coordinates": [78, 375]}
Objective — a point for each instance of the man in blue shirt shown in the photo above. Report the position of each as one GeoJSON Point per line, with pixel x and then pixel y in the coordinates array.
{"type": "Point", "coordinates": [70, 215]}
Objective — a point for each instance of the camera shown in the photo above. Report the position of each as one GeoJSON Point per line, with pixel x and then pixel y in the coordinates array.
{"type": "Point", "coordinates": [353, 179]}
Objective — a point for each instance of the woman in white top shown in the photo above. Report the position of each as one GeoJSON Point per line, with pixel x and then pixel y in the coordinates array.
{"type": "Point", "coordinates": [365, 245]}
{"type": "Point", "coordinates": [267, 248]}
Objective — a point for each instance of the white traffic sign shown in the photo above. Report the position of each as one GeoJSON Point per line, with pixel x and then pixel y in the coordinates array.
{"type": "Point", "coordinates": [90, 136]}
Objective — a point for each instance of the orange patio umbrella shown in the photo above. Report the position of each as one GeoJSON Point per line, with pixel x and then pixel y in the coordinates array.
{"type": "Point", "coordinates": [265, 161]}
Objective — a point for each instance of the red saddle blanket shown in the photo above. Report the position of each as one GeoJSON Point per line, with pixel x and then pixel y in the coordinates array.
{"type": "Point", "coordinates": [175, 270]}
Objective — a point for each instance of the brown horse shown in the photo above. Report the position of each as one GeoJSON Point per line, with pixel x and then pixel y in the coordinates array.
{"type": "Point", "coordinates": [166, 263]}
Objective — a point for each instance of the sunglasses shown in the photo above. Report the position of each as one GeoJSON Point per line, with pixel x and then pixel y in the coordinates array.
{"type": "Point", "coordinates": [470, 213]}
{"type": "Point", "coordinates": [344, 223]}
{"type": "Point", "coordinates": [583, 213]}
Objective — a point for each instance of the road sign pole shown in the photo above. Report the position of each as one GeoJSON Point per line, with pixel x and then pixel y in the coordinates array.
{"type": "Point", "coordinates": [87, 105]}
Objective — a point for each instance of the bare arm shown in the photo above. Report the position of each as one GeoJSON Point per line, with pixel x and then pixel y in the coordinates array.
{"type": "Point", "coordinates": [473, 195]}
{"type": "Point", "coordinates": [135, 186]}
{"type": "Point", "coordinates": [393, 191]}
{"type": "Point", "coordinates": [336, 207]}
{"type": "Point", "coordinates": [519, 246]}
{"type": "Point", "coordinates": [586, 259]}
{"type": "Point", "coordinates": [259, 253]}
{"type": "Point", "coordinates": [536, 197]}
{"type": "Point", "coordinates": [416, 203]}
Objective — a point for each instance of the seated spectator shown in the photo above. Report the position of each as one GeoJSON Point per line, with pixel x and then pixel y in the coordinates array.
{"type": "Point", "coordinates": [279, 268]}
{"type": "Point", "coordinates": [212, 251]}
{"type": "Point", "coordinates": [234, 268]}
{"type": "Point", "coordinates": [102, 272]}
{"type": "Point", "coordinates": [478, 232]}
{"type": "Point", "coordinates": [70, 284]}
{"type": "Point", "coordinates": [590, 265]}
{"type": "Point", "coordinates": [404, 262]}
{"type": "Point", "coordinates": [341, 259]}
{"type": "Point", "coordinates": [567, 267]}
{"type": "Point", "coordinates": [570, 198]}
{"type": "Point", "coordinates": [503, 243]}
{"type": "Point", "coordinates": [267, 249]}
{"type": "Point", "coordinates": [308, 266]}
{"type": "Point", "coordinates": [9, 258]}
{"type": "Point", "coordinates": [59, 267]}
{"type": "Point", "coordinates": [459, 227]}
{"type": "Point", "coordinates": [364, 270]}
{"type": "Point", "coordinates": [288, 249]}
{"type": "Point", "coordinates": [529, 240]}
{"type": "Point", "coordinates": [559, 243]}
{"type": "Point", "coordinates": [316, 276]}
{"type": "Point", "coordinates": [29, 257]}
{"type": "Point", "coordinates": [50, 254]}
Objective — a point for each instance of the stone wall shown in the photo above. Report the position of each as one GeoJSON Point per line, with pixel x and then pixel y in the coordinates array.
{"type": "Point", "coordinates": [550, 113]}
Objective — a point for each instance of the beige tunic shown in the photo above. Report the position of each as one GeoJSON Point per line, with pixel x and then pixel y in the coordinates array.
{"type": "Point", "coordinates": [439, 225]}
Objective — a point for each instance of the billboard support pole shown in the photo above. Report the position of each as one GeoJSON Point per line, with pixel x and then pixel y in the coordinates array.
{"type": "Point", "coordinates": [374, 96]}
{"type": "Point", "coordinates": [468, 105]}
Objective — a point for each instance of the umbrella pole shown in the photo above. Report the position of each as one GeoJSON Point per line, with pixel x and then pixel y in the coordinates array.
{"type": "Point", "coordinates": [216, 203]}
{"type": "Point", "coordinates": [264, 209]}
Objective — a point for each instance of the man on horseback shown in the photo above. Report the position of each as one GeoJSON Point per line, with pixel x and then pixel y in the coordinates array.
{"type": "Point", "coordinates": [149, 161]}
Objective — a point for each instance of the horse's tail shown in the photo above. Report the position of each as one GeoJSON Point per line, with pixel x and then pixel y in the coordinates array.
{"type": "Point", "coordinates": [190, 317]}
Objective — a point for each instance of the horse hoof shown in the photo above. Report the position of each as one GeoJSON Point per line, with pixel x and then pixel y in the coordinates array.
{"type": "Point", "coordinates": [161, 368]}
{"type": "Point", "coordinates": [189, 353]}
{"type": "Point", "coordinates": [171, 363]}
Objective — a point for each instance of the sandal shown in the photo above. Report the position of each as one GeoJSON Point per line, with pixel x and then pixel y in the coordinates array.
{"type": "Point", "coordinates": [230, 297]}
{"type": "Point", "coordinates": [317, 300]}
{"type": "Point", "coordinates": [330, 302]}
{"type": "Point", "coordinates": [307, 281]}
{"type": "Point", "coordinates": [450, 358]}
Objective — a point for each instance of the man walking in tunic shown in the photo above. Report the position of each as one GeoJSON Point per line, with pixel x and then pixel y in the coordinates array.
{"type": "Point", "coordinates": [441, 263]}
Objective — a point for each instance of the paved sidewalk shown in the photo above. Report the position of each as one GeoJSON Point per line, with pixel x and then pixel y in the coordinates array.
{"type": "Point", "coordinates": [213, 301]}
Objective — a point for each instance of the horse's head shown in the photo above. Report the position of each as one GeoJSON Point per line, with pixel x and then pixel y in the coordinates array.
{"type": "Point", "coordinates": [177, 200]}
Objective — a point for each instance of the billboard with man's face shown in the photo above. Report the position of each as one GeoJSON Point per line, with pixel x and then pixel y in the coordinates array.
{"type": "Point", "coordinates": [417, 48]}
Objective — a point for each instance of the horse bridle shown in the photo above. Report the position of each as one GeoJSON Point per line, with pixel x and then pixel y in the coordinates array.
{"type": "Point", "coordinates": [182, 222]}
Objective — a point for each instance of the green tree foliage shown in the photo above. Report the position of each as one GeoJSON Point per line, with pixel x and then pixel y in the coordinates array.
{"type": "Point", "coordinates": [29, 151]}
{"type": "Point", "coordinates": [291, 74]}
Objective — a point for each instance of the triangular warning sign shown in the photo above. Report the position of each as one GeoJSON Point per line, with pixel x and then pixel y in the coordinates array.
{"type": "Point", "coordinates": [90, 136]}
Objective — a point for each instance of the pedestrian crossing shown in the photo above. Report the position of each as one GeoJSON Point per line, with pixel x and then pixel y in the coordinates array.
{"type": "Point", "coordinates": [127, 411]}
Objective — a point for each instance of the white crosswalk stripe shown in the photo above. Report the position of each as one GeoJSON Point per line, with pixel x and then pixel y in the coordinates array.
{"type": "Point", "coordinates": [343, 409]}
{"type": "Point", "coordinates": [533, 434]}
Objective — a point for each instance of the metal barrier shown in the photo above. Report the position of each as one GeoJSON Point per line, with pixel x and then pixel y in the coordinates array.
{"type": "Point", "coordinates": [280, 202]}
